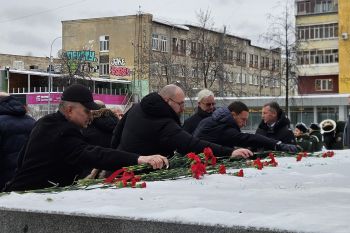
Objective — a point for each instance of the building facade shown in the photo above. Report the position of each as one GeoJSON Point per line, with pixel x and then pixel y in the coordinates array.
{"type": "Point", "coordinates": [152, 53]}
{"type": "Point", "coordinates": [323, 55]}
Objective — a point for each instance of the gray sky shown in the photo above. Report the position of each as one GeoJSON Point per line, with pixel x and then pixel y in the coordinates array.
{"type": "Point", "coordinates": [29, 26]}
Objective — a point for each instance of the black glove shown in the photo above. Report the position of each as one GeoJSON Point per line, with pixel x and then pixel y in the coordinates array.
{"type": "Point", "coordinates": [286, 147]}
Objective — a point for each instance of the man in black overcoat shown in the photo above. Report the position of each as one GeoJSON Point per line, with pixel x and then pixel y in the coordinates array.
{"type": "Point", "coordinates": [56, 150]}
{"type": "Point", "coordinates": [153, 127]}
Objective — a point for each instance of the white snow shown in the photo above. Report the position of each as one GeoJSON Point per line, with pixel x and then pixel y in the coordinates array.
{"type": "Point", "coordinates": [312, 195]}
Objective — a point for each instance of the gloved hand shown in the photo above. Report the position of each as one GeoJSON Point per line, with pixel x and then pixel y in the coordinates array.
{"type": "Point", "coordinates": [286, 147]}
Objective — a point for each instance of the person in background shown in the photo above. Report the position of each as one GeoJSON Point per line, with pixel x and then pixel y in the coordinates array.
{"type": "Point", "coordinates": [99, 133]}
{"type": "Point", "coordinates": [302, 138]}
{"type": "Point", "coordinates": [56, 151]}
{"type": "Point", "coordinates": [346, 134]}
{"type": "Point", "coordinates": [153, 127]}
{"type": "Point", "coordinates": [15, 127]}
{"type": "Point", "coordinates": [275, 124]}
{"type": "Point", "coordinates": [224, 128]}
{"type": "Point", "coordinates": [206, 106]}
{"type": "Point", "coordinates": [315, 132]}
{"type": "Point", "coordinates": [118, 112]}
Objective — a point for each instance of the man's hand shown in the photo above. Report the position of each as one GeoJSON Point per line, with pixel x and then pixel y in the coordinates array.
{"type": "Point", "coordinates": [244, 153]}
{"type": "Point", "coordinates": [156, 161]}
{"type": "Point", "coordinates": [287, 147]}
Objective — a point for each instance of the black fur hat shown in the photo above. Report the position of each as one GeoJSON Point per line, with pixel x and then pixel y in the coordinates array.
{"type": "Point", "coordinates": [302, 127]}
{"type": "Point", "coordinates": [314, 126]}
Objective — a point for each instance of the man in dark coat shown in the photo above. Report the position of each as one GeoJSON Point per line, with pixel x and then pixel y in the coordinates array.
{"type": "Point", "coordinates": [275, 124]}
{"type": "Point", "coordinates": [153, 126]}
{"type": "Point", "coordinates": [224, 128]}
{"type": "Point", "coordinates": [15, 127]}
{"type": "Point", "coordinates": [315, 132]}
{"type": "Point", "coordinates": [346, 134]}
{"type": "Point", "coordinates": [206, 106]}
{"type": "Point", "coordinates": [56, 151]}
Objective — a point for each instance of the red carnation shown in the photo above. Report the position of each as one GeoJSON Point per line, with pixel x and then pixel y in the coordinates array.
{"type": "Point", "coordinates": [258, 164]}
{"type": "Point", "coordinates": [222, 169]}
{"type": "Point", "coordinates": [194, 157]}
{"type": "Point", "coordinates": [239, 173]}
{"type": "Point", "coordinates": [299, 157]}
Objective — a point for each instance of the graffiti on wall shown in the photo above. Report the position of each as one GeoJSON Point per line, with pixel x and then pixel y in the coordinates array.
{"type": "Point", "coordinates": [85, 55]}
{"type": "Point", "coordinates": [118, 68]}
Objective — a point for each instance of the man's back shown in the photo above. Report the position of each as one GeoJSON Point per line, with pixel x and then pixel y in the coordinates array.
{"type": "Point", "coordinates": [153, 127]}
{"type": "Point", "coordinates": [55, 154]}
{"type": "Point", "coordinates": [15, 127]}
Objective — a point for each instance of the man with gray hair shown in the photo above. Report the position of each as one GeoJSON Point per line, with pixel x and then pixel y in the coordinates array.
{"type": "Point", "coordinates": [206, 106]}
{"type": "Point", "coordinates": [153, 127]}
{"type": "Point", "coordinates": [56, 151]}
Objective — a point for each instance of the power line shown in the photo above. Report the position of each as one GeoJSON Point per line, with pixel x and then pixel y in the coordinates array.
{"type": "Point", "coordinates": [42, 12]}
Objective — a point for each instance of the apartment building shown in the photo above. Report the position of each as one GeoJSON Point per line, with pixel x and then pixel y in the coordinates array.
{"type": "Point", "coordinates": [152, 53]}
{"type": "Point", "coordinates": [323, 55]}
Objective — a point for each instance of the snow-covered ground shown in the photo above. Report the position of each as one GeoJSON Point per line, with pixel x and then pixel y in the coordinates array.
{"type": "Point", "coordinates": [312, 195]}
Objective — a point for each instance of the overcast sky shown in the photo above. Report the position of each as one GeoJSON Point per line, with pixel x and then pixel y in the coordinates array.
{"type": "Point", "coordinates": [29, 27]}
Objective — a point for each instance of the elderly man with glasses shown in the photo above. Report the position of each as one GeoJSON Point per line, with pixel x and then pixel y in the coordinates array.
{"type": "Point", "coordinates": [153, 126]}
{"type": "Point", "coordinates": [206, 106]}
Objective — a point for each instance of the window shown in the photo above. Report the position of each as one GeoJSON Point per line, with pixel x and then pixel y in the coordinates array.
{"type": "Point", "coordinates": [155, 44]}
{"type": "Point", "coordinates": [104, 43]}
{"type": "Point", "coordinates": [193, 49]}
{"type": "Point", "coordinates": [164, 70]}
{"type": "Point", "coordinates": [318, 56]}
{"type": "Point", "coordinates": [183, 47]}
{"type": "Point", "coordinates": [323, 84]}
{"type": "Point", "coordinates": [104, 69]}
{"type": "Point", "coordinates": [230, 55]}
{"type": "Point", "coordinates": [163, 44]}
{"type": "Point", "coordinates": [175, 45]}
{"type": "Point", "coordinates": [251, 60]}
{"type": "Point", "coordinates": [256, 61]}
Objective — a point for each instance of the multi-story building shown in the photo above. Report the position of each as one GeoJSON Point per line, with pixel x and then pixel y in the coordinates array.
{"type": "Point", "coordinates": [324, 48]}
{"type": "Point", "coordinates": [152, 53]}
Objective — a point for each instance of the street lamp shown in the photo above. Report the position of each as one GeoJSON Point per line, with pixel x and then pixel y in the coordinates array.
{"type": "Point", "coordinates": [50, 72]}
{"type": "Point", "coordinates": [50, 75]}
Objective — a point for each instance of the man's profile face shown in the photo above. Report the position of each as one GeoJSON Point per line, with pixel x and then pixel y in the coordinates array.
{"type": "Point", "coordinates": [79, 115]}
{"type": "Point", "coordinates": [177, 102]}
{"type": "Point", "coordinates": [269, 116]}
{"type": "Point", "coordinates": [241, 118]}
{"type": "Point", "coordinates": [207, 104]}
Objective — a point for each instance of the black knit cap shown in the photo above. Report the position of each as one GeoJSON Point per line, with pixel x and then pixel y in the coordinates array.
{"type": "Point", "coordinates": [302, 127]}
{"type": "Point", "coordinates": [314, 126]}
{"type": "Point", "coordinates": [81, 94]}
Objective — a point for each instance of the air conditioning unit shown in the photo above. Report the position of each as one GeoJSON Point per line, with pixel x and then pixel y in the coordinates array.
{"type": "Point", "coordinates": [344, 36]}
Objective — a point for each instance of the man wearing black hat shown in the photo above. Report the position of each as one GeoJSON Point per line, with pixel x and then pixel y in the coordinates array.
{"type": "Point", "coordinates": [56, 151]}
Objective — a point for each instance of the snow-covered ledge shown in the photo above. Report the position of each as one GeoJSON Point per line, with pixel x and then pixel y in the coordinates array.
{"type": "Point", "coordinates": [312, 195]}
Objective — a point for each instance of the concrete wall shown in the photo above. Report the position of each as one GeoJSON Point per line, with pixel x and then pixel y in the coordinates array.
{"type": "Point", "coordinates": [8, 60]}
{"type": "Point", "coordinates": [15, 221]}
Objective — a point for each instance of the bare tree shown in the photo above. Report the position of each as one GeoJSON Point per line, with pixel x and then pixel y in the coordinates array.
{"type": "Point", "coordinates": [282, 34]}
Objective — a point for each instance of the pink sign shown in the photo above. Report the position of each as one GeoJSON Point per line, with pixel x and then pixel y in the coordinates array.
{"type": "Point", "coordinates": [42, 98]}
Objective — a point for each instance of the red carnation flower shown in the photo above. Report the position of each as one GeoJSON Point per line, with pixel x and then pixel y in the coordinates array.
{"type": "Point", "coordinates": [222, 169]}
{"type": "Point", "coordinates": [239, 173]}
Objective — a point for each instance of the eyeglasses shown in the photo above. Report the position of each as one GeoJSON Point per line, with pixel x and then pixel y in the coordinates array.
{"type": "Point", "coordinates": [181, 104]}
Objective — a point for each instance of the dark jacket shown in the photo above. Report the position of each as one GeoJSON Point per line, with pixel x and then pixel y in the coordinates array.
{"type": "Point", "coordinates": [346, 136]}
{"type": "Point", "coordinates": [152, 127]}
{"type": "Point", "coordinates": [280, 131]}
{"type": "Point", "coordinates": [317, 140]}
{"type": "Point", "coordinates": [15, 127]}
{"type": "Point", "coordinates": [192, 122]}
{"type": "Point", "coordinates": [100, 130]}
{"type": "Point", "coordinates": [222, 129]}
{"type": "Point", "coordinates": [56, 152]}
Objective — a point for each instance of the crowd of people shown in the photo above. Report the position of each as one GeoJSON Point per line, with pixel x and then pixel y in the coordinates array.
{"type": "Point", "coordinates": [85, 139]}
